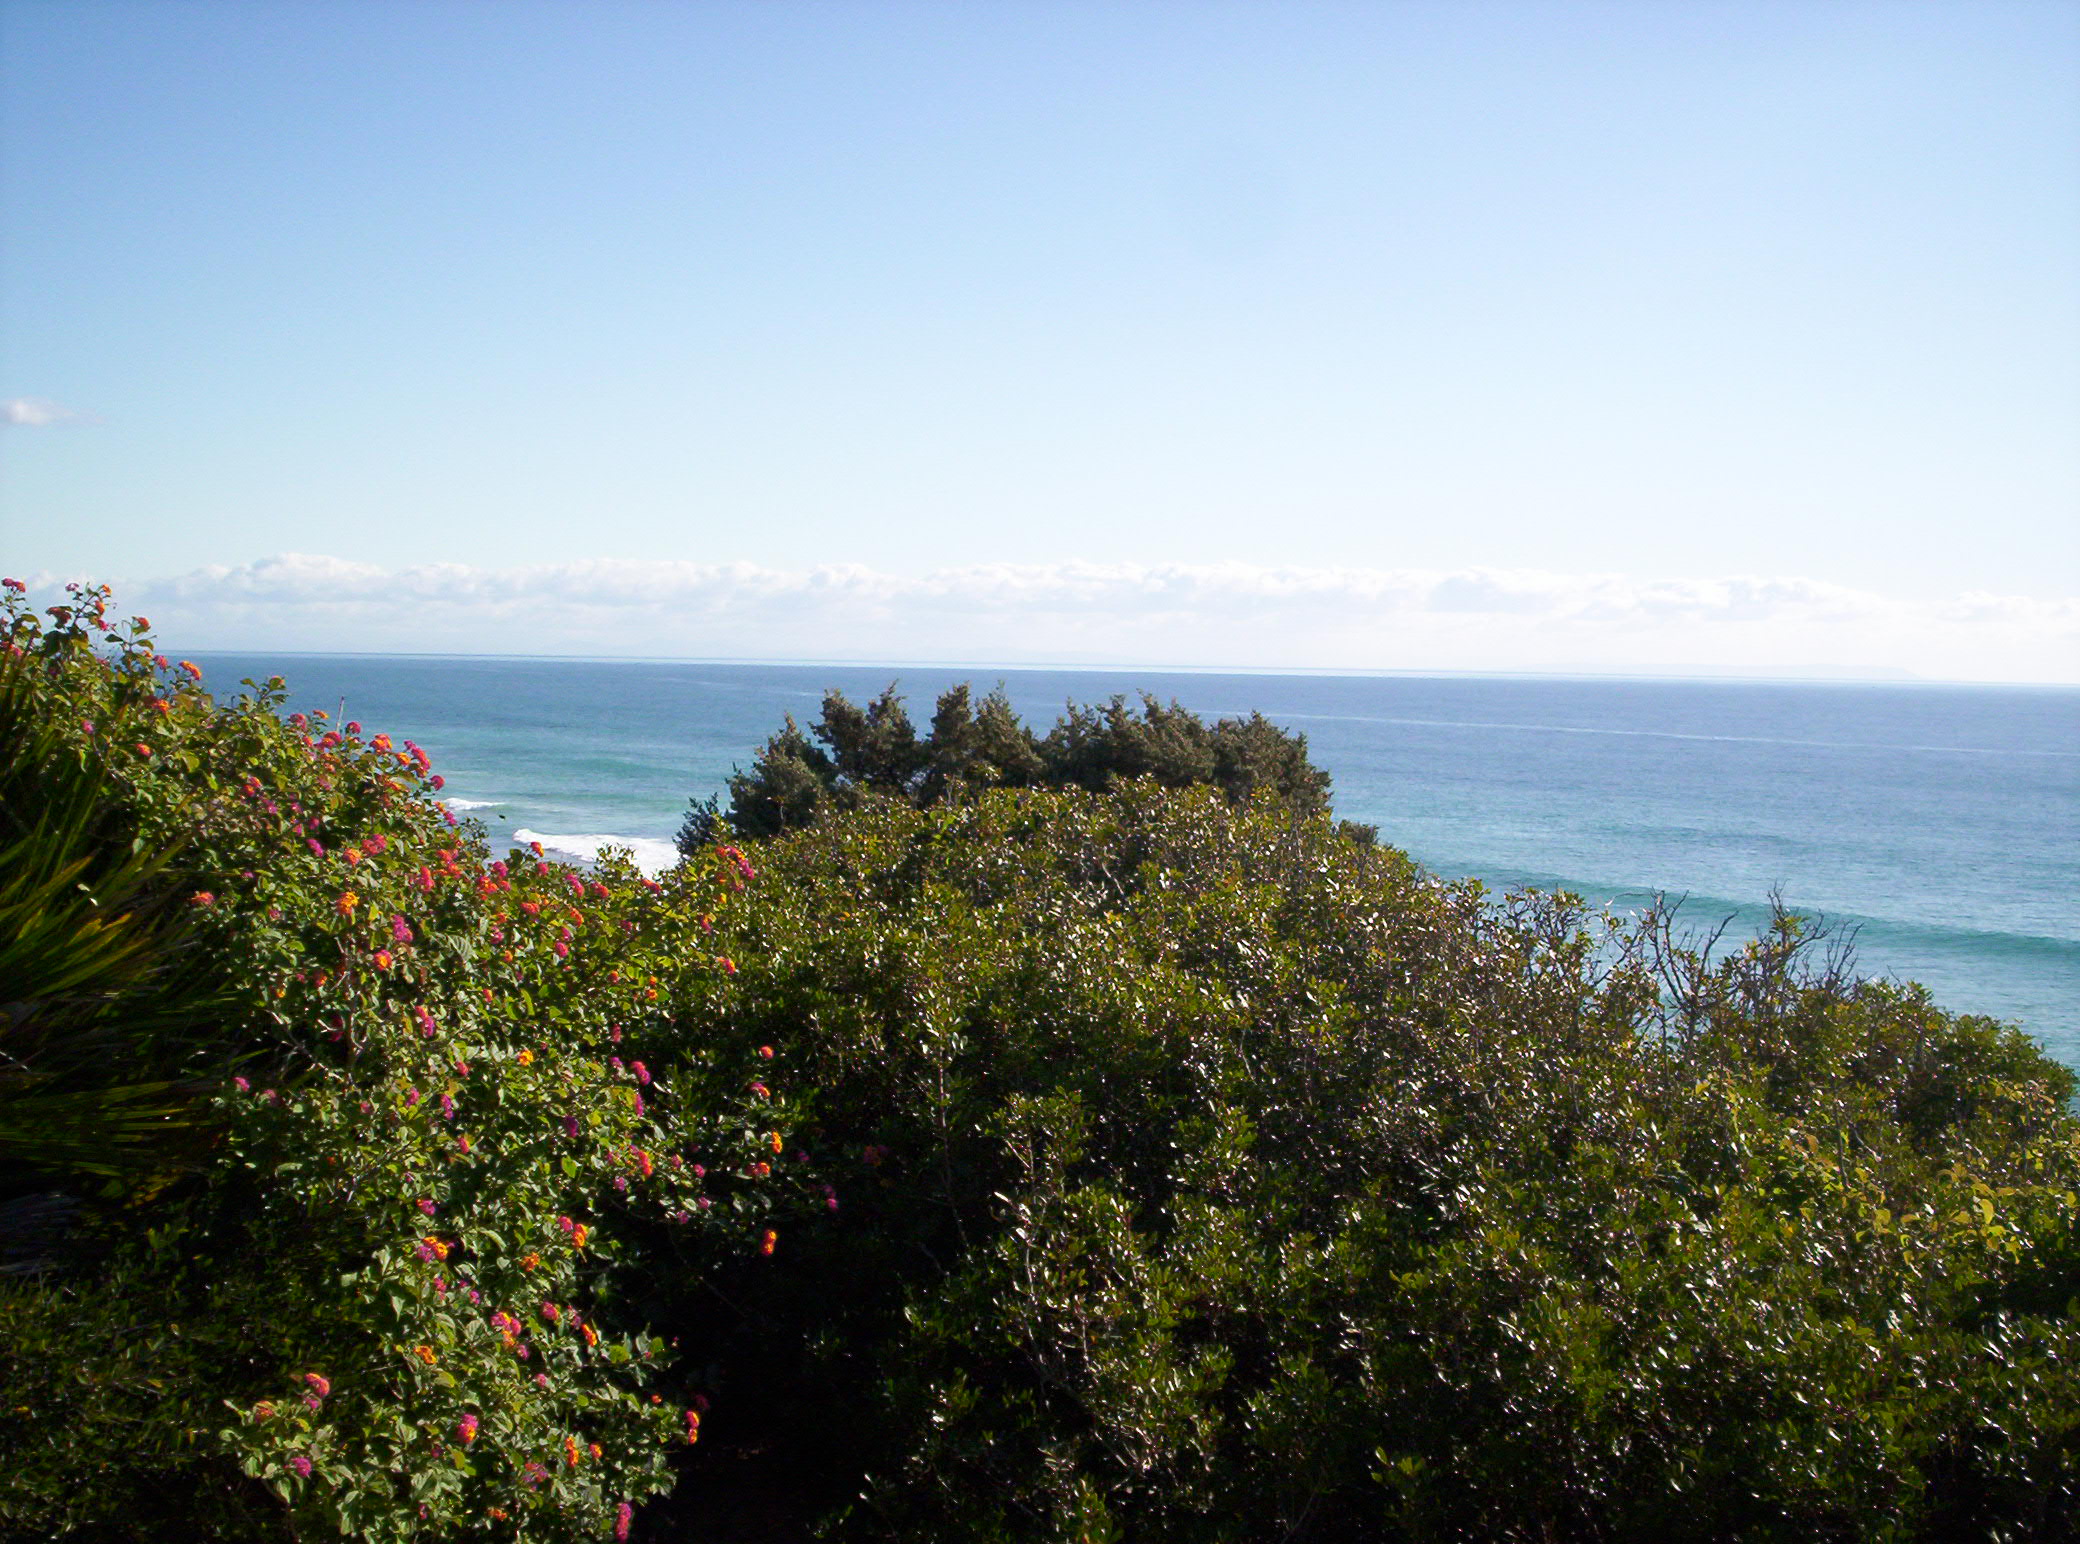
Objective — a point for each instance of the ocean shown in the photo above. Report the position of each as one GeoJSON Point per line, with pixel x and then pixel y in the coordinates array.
{"type": "Point", "coordinates": [1939, 822]}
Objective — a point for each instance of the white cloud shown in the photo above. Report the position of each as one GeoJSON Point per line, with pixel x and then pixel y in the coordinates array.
{"type": "Point", "coordinates": [1227, 614]}
{"type": "Point", "coordinates": [35, 413]}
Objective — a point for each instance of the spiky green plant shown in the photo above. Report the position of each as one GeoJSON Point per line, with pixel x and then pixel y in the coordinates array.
{"type": "Point", "coordinates": [91, 969]}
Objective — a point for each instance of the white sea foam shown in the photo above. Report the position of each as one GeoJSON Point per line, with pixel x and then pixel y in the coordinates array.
{"type": "Point", "coordinates": [652, 856]}
{"type": "Point", "coordinates": [459, 805]}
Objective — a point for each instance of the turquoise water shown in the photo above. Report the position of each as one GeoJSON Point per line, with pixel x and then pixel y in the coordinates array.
{"type": "Point", "coordinates": [1938, 821]}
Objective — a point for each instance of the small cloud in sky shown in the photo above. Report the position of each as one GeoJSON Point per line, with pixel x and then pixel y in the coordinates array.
{"type": "Point", "coordinates": [36, 413]}
{"type": "Point", "coordinates": [1213, 615]}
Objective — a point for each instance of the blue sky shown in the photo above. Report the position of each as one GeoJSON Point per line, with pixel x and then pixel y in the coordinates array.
{"type": "Point", "coordinates": [1500, 324]}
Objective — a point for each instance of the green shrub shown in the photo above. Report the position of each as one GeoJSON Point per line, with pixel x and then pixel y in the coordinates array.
{"type": "Point", "coordinates": [1207, 1176]}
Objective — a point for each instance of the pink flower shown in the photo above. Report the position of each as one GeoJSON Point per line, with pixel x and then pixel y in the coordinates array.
{"type": "Point", "coordinates": [400, 929]}
{"type": "Point", "coordinates": [242, 1085]}
{"type": "Point", "coordinates": [642, 1072]}
{"type": "Point", "coordinates": [353, 728]}
{"type": "Point", "coordinates": [314, 845]}
{"type": "Point", "coordinates": [427, 1206]}
{"type": "Point", "coordinates": [549, 1312]}
{"type": "Point", "coordinates": [301, 1465]}
{"type": "Point", "coordinates": [466, 1428]}
{"type": "Point", "coordinates": [319, 1384]}
{"type": "Point", "coordinates": [624, 1514]}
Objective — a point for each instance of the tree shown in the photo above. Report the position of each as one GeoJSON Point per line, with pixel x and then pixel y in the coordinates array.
{"type": "Point", "coordinates": [860, 752]}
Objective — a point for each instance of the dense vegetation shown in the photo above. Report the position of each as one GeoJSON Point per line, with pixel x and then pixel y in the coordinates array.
{"type": "Point", "coordinates": [1156, 1163]}
{"type": "Point", "coordinates": [1213, 1177]}
{"type": "Point", "coordinates": [854, 754]}
{"type": "Point", "coordinates": [326, 1135]}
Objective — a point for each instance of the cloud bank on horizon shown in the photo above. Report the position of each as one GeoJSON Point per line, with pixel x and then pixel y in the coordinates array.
{"type": "Point", "coordinates": [1196, 615]}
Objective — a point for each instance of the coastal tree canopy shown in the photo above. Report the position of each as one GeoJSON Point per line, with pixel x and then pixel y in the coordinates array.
{"type": "Point", "coordinates": [852, 753]}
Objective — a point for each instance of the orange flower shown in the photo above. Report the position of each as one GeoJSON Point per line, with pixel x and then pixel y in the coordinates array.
{"type": "Point", "coordinates": [529, 1261]}
{"type": "Point", "coordinates": [578, 1235]}
{"type": "Point", "coordinates": [773, 1141]}
{"type": "Point", "coordinates": [382, 959]}
{"type": "Point", "coordinates": [571, 1452]}
{"type": "Point", "coordinates": [767, 1240]}
{"type": "Point", "coordinates": [346, 903]}
{"type": "Point", "coordinates": [425, 1354]}
{"type": "Point", "coordinates": [525, 1058]}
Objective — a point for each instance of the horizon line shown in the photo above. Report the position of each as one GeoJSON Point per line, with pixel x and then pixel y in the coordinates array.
{"type": "Point", "coordinates": [1886, 676]}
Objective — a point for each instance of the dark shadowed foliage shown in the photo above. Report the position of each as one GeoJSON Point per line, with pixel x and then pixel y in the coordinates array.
{"type": "Point", "coordinates": [859, 753]}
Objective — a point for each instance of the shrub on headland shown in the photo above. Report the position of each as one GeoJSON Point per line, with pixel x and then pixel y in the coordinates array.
{"type": "Point", "coordinates": [861, 754]}
{"type": "Point", "coordinates": [325, 1133]}
{"type": "Point", "coordinates": [1211, 1177]}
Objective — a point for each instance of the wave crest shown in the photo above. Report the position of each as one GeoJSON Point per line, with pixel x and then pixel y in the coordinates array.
{"type": "Point", "coordinates": [651, 855]}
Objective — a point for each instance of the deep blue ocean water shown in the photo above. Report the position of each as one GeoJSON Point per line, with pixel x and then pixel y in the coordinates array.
{"type": "Point", "coordinates": [1938, 821]}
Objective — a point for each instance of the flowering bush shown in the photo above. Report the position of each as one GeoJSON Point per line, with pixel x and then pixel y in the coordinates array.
{"type": "Point", "coordinates": [445, 1095]}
